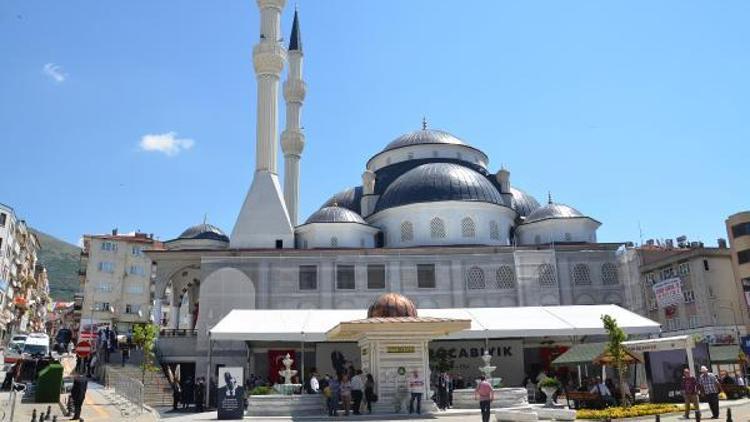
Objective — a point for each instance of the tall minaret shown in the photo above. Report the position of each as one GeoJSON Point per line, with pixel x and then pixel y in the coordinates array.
{"type": "Point", "coordinates": [292, 139]}
{"type": "Point", "coordinates": [263, 221]}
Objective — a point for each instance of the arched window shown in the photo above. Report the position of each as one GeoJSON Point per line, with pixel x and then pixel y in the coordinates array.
{"type": "Point", "coordinates": [467, 227]}
{"type": "Point", "coordinates": [505, 277]}
{"type": "Point", "coordinates": [407, 231]}
{"type": "Point", "coordinates": [546, 276]}
{"type": "Point", "coordinates": [494, 230]}
{"type": "Point", "coordinates": [609, 273]}
{"type": "Point", "coordinates": [362, 242]}
{"type": "Point", "coordinates": [304, 244]}
{"type": "Point", "coordinates": [437, 228]}
{"type": "Point", "coordinates": [475, 278]}
{"type": "Point", "coordinates": [334, 242]}
{"type": "Point", "coordinates": [581, 275]}
{"type": "Point", "coordinates": [435, 154]}
{"type": "Point", "coordinates": [568, 237]}
{"type": "Point", "coordinates": [537, 239]}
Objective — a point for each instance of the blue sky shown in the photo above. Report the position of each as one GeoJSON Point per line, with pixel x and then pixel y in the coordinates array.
{"type": "Point", "coordinates": [631, 111]}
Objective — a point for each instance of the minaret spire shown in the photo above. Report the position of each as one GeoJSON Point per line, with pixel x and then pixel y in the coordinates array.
{"type": "Point", "coordinates": [292, 139]}
{"type": "Point", "coordinates": [263, 221]}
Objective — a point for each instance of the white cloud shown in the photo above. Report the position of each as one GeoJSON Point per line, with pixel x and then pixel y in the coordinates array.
{"type": "Point", "coordinates": [166, 143]}
{"type": "Point", "coordinates": [55, 72]}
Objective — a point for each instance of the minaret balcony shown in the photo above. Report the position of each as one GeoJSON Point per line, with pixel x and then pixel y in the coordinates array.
{"type": "Point", "coordinates": [269, 58]}
{"type": "Point", "coordinates": [295, 90]}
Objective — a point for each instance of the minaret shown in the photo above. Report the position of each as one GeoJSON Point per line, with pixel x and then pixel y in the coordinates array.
{"type": "Point", "coordinates": [292, 139]}
{"type": "Point", "coordinates": [263, 221]}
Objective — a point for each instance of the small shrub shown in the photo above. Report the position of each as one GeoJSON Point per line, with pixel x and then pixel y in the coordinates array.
{"type": "Point", "coordinates": [261, 390]}
{"type": "Point", "coordinates": [549, 382]}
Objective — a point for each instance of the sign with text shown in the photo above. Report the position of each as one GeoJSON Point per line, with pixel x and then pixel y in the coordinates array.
{"type": "Point", "coordinates": [668, 292]}
{"type": "Point", "coordinates": [230, 397]}
{"type": "Point", "coordinates": [463, 358]}
{"type": "Point", "coordinates": [400, 349]}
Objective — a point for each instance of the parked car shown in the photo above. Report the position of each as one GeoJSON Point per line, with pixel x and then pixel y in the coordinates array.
{"type": "Point", "coordinates": [37, 344]}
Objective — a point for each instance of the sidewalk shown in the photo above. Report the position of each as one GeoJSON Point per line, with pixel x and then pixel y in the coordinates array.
{"type": "Point", "coordinates": [100, 405]}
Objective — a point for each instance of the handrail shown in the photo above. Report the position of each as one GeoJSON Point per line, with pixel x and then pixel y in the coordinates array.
{"type": "Point", "coordinates": [125, 386]}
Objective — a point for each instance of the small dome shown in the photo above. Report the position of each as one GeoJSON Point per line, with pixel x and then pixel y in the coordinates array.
{"type": "Point", "coordinates": [434, 182]}
{"type": "Point", "coordinates": [424, 136]}
{"type": "Point", "coordinates": [522, 202]}
{"type": "Point", "coordinates": [553, 210]}
{"type": "Point", "coordinates": [335, 215]}
{"type": "Point", "coordinates": [349, 199]}
{"type": "Point", "coordinates": [392, 305]}
{"type": "Point", "coordinates": [204, 231]}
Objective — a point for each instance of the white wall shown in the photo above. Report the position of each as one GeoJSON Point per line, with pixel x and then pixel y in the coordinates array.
{"type": "Point", "coordinates": [415, 152]}
{"type": "Point", "coordinates": [558, 230]}
{"type": "Point", "coordinates": [452, 213]}
{"type": "Point", "coordinates": [346, 235]}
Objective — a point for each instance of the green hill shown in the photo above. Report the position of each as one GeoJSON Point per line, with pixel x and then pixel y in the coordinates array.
{"type": "Point", "coordinates": [61, 260]}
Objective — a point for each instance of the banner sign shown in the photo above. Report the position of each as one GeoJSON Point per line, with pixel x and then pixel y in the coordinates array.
{"type": "Point", "coordinates": [668, 292]}
{"type": "Point", "coordinates": [230, 397]}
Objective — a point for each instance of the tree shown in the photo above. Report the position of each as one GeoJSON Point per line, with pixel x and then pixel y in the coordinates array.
{"type": "Point", "coordinates": [144, 336]}
{"type": "Point", "coordinates": [616, 350]}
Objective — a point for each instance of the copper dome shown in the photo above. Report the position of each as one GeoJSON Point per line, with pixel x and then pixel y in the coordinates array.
{"type": "Point", "coordinates": [392, 305]}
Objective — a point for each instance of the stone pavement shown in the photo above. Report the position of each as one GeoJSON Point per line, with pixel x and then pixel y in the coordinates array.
{"type": "Point", "coordinates": [740, 413]}
{"type": "Point", "coordinates": [100, 405]}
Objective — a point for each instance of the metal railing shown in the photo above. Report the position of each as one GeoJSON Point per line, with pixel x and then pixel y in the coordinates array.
{"type": "Point", "coordinates": [126, 387]}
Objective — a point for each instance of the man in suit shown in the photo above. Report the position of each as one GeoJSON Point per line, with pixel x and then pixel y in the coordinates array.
{"type": "Point", "coordinates": [229, 389]}
{"type": "Point", "coordinates": [78, 394]}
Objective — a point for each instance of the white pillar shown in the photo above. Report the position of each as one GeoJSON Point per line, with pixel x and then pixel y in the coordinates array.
{"type": "Point", "coordinates": [293, 140]}
{"type": "Point", "coordinates": [691, 365]}
{"type": "Point", "coordinates": [174, 317]}
{"type": "Point", "coordinates": [268, 61]}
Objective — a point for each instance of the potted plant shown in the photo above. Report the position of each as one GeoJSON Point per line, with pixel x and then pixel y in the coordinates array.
{"type": "Point", "coordinates": [549, 386]}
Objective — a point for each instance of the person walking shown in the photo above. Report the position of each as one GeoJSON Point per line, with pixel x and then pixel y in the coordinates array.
{"type": "Point", "coordinates": [358, 391]}
{"type": "Point", "coordinates": [416, 388]}
{"type": "Point", "coordinates": [442, 390]}
{"type": "Point", "coordinates": [485, 395]}
{"type": "Point", "coordinates": [78, 395]}
{"type": "Point", "coordinates": [690, 392]}
{"type": "Point", "coordinates": [200, 392]}
{"type": "Point", "coordinates": [345, 388]}
{"type": "Point", "coordinates": [176, 395]}
{"type": "Point", "coordinates": [332, 396]}
{"type": "Point", "coordinates": [125, 352]}
{"type": "Point", "coordinates": [370, 396]}
{"type": "Point", "coordinates": [313, 385]}
{"type": "Point", "coordinates": [710, 388]}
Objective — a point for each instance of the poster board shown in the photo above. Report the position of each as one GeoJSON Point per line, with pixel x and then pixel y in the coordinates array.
{"type": "Point", "coordinates": [230, 395]}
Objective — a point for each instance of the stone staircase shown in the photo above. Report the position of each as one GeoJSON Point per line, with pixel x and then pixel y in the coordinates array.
{"type": "Point", "coordinates": [157, 390]}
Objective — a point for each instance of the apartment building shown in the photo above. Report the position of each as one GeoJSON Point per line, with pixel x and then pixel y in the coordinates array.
{"type": "Point", "coordinates": [738, 230]}
{"type": "Point", "coordinates": [24, 286]}
{"type": "Point", "coordinates": [116, 279]}
{"type": "Point", "coordinates": [688, 289]}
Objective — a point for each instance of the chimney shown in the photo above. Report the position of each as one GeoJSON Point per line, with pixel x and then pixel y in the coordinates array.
{"type": "Point", "coordinates": [722, 243]}
{"type": "Point", "coordinates": [114, 232]}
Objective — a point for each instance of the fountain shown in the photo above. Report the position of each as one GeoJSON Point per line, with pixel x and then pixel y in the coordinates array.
{"type": "Point", "coordinates": [287, 388]}
{"type": "Point", "coordinates": [504, 397]}
{"type": "Point", "coordinates": [285, 402]}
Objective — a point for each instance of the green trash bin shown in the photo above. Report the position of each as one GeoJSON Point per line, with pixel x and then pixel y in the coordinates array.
{"type": "Point", "coordinates": [48, 384]}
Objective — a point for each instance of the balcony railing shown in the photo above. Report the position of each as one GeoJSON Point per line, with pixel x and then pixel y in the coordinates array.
{"type": "Point", "coordinates": [180, 332]}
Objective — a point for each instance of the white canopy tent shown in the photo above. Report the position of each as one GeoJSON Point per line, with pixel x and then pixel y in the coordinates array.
{"type": "Point", "coordinates": [311, 325]}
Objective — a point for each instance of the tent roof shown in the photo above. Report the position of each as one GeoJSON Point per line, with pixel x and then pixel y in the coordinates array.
{"type": "Point", "coordinates": [532, 321]}
{"type": "Point", "coordinates": [580, 353]}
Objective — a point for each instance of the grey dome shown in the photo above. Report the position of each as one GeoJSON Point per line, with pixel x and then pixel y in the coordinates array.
{"type": "Point", "coordinates": [335, 215]}
{"type": "Point", "coordinates": [439, 182]}
{"type": "Point", "coordinates": [424, 136]}
{"type": "Point", "coordinates": [553, 210]}
{"type": "Point", "coordinates": [522, 202]}
{"type": "Point", "coordinates": [350, 199]}
{"type": "Point", "coordinates": [204, 231]}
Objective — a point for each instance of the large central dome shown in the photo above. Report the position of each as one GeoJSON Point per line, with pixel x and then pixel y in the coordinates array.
{"type": "Point", "coordinates": [424, 136]}
{"type": "Point", "coordinates": [439, 182]}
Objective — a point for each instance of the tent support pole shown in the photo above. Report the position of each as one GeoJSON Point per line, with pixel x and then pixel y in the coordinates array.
{"type": "Point", "coordinates": [208, 368]}
{"type": "Point", "coordinates": [604, 373]}
{"type": "Point", "coordinates": [302, 364]}
{"type": "Point", "coordinates": [580, 379]}
{"type": "Point", "coordinates": [689, 352]}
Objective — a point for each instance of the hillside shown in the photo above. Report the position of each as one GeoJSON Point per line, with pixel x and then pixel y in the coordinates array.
{"type": "Point", "coordinates": [61, 260]}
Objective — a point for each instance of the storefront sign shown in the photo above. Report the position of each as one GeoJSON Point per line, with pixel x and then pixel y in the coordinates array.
{"type": "Point", "coordinates": [463, 358]}
{"type": "Point", "coordinates": [400, 349]}
{"type": "Point", "coordinates": [668, 292]}
{"type": "Point", "coordinates": [231, 394]}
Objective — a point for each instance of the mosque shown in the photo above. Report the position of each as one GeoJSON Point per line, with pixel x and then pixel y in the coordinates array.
{"type": "Point", "coordinates": [430, 220]}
